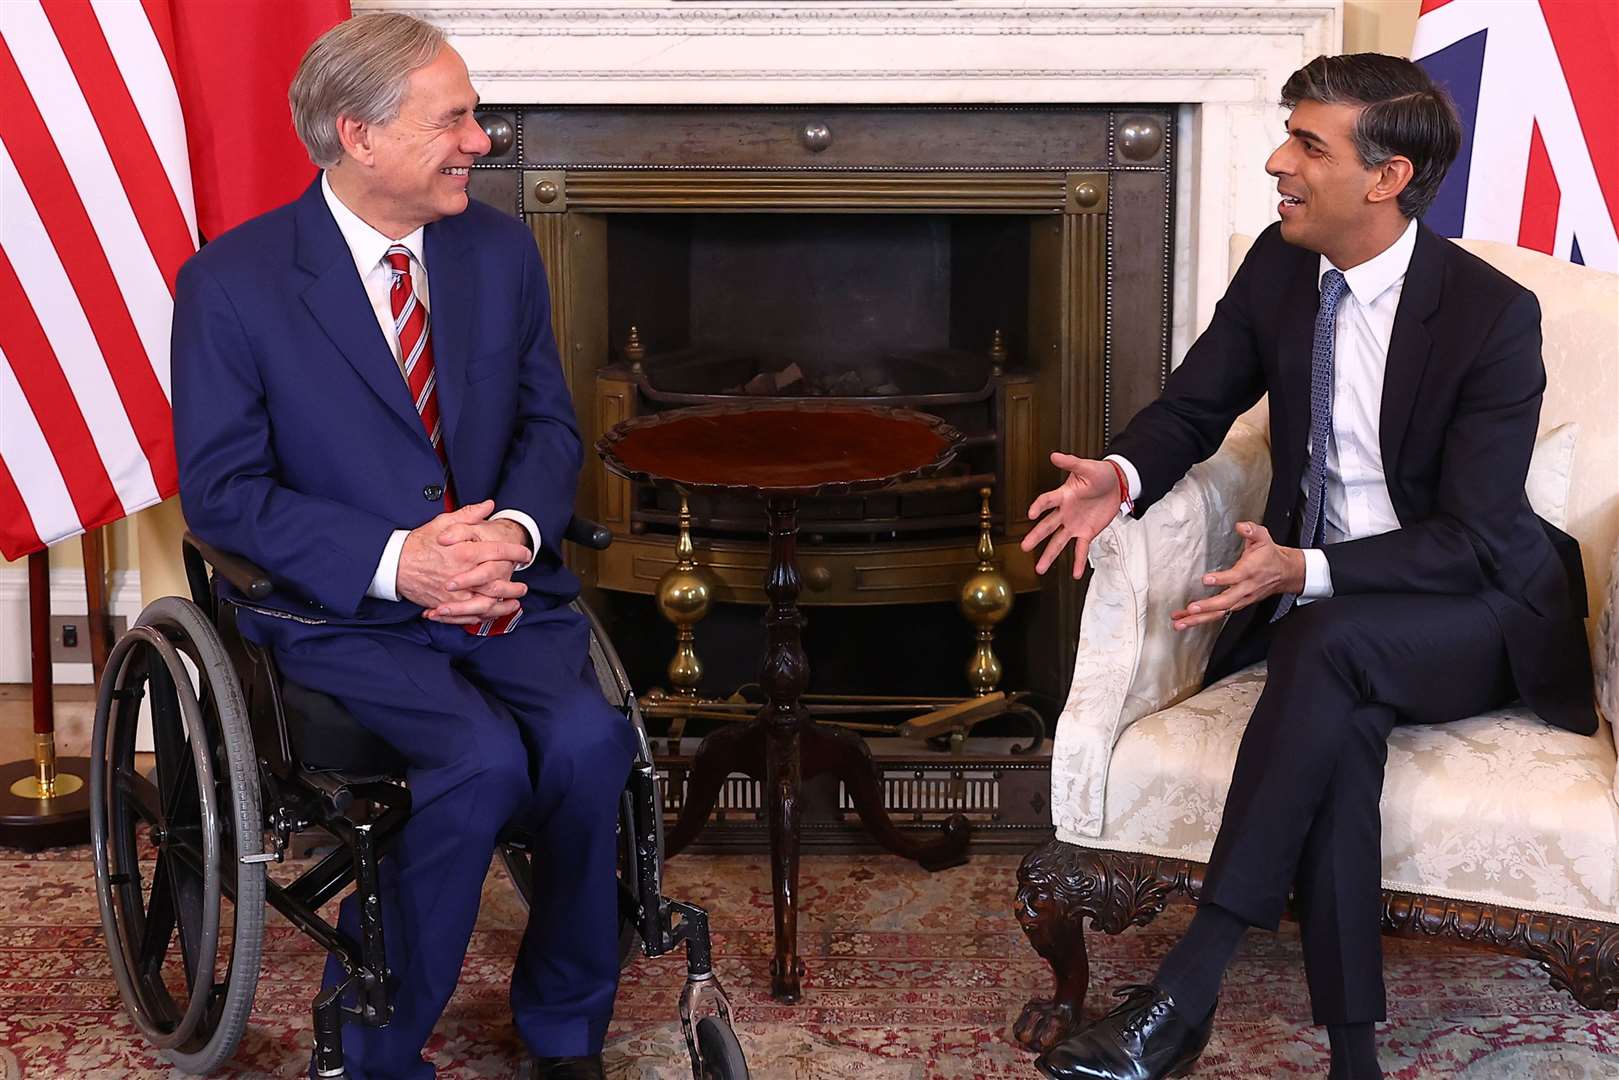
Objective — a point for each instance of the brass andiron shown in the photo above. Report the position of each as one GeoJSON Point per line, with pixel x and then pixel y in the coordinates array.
{"type": "Point", "coordinates": [634, 351]}
{"type": "Point", "coordinates": [986, 599]}
{"type": "Point", "coordinates": [684, 597]}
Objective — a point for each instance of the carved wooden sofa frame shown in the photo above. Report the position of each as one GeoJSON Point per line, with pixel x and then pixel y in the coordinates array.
{"type": "Point", "coordinates": [1062, 885]}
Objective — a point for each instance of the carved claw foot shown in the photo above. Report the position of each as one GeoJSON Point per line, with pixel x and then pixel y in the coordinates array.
{"type": "Point", "coordinates": [1044, 1023]}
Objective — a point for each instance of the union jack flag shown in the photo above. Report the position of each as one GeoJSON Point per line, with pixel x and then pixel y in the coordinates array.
{"type": "Point", "coordinates": [1537, 87]}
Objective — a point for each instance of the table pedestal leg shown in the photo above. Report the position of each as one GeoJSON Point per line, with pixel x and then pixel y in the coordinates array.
{"type": "Point", "coordinates": [786, 746]}
{"type": "Point", "coordinates": [784, 678]}
{"type": "Point", "coordinates": [845, 755]}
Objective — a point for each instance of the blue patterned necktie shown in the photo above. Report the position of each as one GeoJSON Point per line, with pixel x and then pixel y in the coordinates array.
{"type": "Point", "coordinates": [1315, 499]}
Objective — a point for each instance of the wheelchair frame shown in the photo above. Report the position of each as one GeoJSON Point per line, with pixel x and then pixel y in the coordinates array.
{"type": "Point", "coordinates": [219, 750]}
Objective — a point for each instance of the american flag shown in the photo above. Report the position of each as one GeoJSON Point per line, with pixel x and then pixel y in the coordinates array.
{"type": "Point", "coordinates": [126, 125]}
{"type": "Point", "coordinates": [1537, 86]}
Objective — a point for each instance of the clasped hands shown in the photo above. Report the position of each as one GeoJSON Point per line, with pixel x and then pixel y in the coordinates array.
{"type": "Point", "coordinates": [459, 566]}
{"type": "Point", "coordinates": [1088, 501]}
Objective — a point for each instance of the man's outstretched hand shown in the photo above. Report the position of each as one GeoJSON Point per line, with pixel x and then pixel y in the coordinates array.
{"type": "Point", "coordinates": [459, 565]}
{"type": "Point", "coordinates": [1264, 568]}
{"type": "Point", "coordinates": [1078, 510]}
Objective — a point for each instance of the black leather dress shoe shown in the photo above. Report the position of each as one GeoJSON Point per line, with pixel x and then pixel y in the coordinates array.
{"type": "Point", "coordinates": [1145, 1038]}
{"type": "Point", "coordinates": [565, 1068]}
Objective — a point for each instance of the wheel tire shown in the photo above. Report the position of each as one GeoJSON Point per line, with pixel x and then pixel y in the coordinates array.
{"type": "Point", "coordinates": [722, 1053]}
{"type": "Point", "coordinates": [202, 735]}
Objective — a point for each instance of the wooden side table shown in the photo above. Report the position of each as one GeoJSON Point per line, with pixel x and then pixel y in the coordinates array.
{"type": "Point", "coordinates": [781, 453]}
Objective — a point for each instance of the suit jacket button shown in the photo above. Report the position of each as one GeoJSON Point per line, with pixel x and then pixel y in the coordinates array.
{"type": "Point", "coordinates": [433, 492]}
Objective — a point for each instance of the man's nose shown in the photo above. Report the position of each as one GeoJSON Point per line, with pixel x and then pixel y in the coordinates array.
{"type": "Point", "coordinates": [474, 140]}
{"type": "Point", "coordinates": [1279, 161]}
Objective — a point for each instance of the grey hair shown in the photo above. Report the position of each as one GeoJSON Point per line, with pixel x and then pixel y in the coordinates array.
{"type": "Point", "coordinates": [359, 69]}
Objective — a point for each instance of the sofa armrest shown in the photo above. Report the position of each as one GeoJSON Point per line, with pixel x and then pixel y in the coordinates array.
{"type": "Point", "coordinates": [1605, 662]}
{"type": "Point", "coordinates": [1130, 661]}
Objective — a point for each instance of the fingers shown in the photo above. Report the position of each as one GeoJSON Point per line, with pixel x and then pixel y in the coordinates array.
{"type": "Point", "coordinates": [1040, 530]}
{"type": "Point", "coordinates": [503, 589]}
{"type": "Point", "coordinates": [482, 551]}
{"type": "Point", "coordinates": [474, 511]}
{"type": "Point", "coordinates": [1253, 533]}
{"type": "Point", "coordinates": [1215, 607]}
{"type": "Point", "coordinates": [1053, 549]}
{"type": "Point", "coordinates": [476, 609]}
{"type": "Point", "coordinates": [1046, 500]}
{"type": "Point", "coordinates": [457, 533]}
{"type": "Point", "coordinates": [1066, 462]}
{"type": "Point", "coordinates": [482, 574]}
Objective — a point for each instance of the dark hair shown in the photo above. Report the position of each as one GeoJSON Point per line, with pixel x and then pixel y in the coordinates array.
{"type": "Point", "coordinates": [1405, 112]}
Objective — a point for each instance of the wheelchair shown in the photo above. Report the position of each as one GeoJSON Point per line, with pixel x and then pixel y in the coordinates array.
{"type": "Point", "coordinates": [246, 761]}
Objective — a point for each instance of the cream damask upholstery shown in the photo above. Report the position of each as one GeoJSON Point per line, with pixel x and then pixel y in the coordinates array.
{"type": "Point", "coordinates": [1499, 808]}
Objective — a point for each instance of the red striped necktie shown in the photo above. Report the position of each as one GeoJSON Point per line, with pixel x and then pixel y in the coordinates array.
{"type": "Point", "coordinates": [412, 326]}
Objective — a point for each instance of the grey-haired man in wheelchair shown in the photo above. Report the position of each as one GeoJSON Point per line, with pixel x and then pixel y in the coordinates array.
{"type": "Point", "coordinates": [368, 404]}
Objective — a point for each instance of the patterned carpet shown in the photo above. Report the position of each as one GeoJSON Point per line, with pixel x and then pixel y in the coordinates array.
{"type": "Point", "coordinates": [910, 976]}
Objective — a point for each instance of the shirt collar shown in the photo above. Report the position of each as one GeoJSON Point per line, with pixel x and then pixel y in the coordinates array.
{"type": "Point", "coordinates": [366, 244]}
{"type": "Point", "coordinates": [1373, 277]}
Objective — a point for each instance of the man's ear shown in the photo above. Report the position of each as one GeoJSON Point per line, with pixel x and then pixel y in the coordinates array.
{"type": "Point", "coordinates": [356, 138]}
{"type": "Point", "coordinates": [1391, 178]}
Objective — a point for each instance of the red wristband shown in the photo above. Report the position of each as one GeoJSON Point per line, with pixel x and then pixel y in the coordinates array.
{"type": "Point", "coordinates": [1127, 504]}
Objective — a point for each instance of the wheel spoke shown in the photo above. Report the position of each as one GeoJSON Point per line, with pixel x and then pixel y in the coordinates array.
{"type": "Point", "coordinates": [141, 794]}
{"type": "Point", "coordinates": [168, 728]}
{"type": "Point", "coordinates": [180, 801]}
{"type": "Point", "coordinates": [159, 923]}
{"type": "Point", "coordinates": [188, 910]}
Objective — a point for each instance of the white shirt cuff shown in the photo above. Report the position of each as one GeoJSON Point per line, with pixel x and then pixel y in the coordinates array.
{"type": "Point", "coordinates": [1317, 575]}
{"type": "Point", "coordinates": [1131, 477]}
{"type": "Point", "coordinates": [529, 526]}
{"type": "Point", "coordinates": [385, 583]}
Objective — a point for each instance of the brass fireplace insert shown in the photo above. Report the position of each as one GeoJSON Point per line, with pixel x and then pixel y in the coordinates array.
{"type": "Point", "coordinates": [1004, 267]}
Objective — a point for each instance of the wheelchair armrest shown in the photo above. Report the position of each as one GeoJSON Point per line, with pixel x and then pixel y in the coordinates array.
{"type": "Point", "coordinates": [587, 533]}
{"type": "Point", "coordinates": [253, 582]}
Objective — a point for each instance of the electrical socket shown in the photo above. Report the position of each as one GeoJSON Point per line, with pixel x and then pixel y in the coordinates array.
{"type": "Point", "coordinates": [70, 637]}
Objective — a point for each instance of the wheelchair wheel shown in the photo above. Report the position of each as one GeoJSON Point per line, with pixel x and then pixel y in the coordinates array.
{"type": "Point", "coordinates": [168, 847]}
{"type": "Point", "coordinates": [722, 1054]}
{"type": "Point", "coordinates": [517, 858]}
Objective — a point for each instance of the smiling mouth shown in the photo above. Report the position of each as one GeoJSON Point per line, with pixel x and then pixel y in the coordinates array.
{"type": "Point", "coordinates": [1292, 200]}
{"type": "Point", "coordinates": [459, 170]}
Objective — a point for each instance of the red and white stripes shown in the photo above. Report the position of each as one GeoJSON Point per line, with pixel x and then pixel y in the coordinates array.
{"type": "Point", "coordinates": [98, 216]}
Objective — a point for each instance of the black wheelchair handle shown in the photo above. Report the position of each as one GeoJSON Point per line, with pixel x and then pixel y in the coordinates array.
{"type": "Point", "coordinates": [249, 580]}
{"type": "Point", "coordinates": [587, 533]}
{"type": "Point", "coordinates": [255, 584]}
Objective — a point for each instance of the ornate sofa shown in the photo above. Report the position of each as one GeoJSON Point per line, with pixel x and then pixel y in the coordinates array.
{"type": "Point", "coordinates": [1499, 830]}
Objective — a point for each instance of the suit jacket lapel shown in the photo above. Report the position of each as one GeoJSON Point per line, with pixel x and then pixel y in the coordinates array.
{"type": "Point", "coordinates": [1290, 417]}
{"type": "Point", "coordinates": [1409, 349]}
{"type": "Point", "coordinates": [337, 300]}
{"type": "Point", "coordinates": [451, 290]}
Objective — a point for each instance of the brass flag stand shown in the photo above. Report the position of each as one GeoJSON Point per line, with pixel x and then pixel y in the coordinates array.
{"type": "Point", "coordinates": [44, 801]}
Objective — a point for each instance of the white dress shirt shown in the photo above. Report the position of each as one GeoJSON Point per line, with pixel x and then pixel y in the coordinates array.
{"type": "Point", "coordinates": [368, 247]}
{"type": "Point", "coordinates": [1357, 493]}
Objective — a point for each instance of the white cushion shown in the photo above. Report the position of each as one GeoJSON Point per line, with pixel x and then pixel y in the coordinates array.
{"type": "Point", "coordinates": [1551, 466]}
{"type": "Point", "coordinates": [1499, 808]}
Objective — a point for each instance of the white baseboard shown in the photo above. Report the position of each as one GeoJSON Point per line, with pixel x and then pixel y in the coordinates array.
{"type": "Point", "coordinates": [67, 598]}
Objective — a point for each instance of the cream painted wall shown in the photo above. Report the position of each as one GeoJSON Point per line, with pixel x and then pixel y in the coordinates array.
{"type": "Point", "coordinates": [151, 539]}
{"type": "Point", "coordinates": [1385, 26]}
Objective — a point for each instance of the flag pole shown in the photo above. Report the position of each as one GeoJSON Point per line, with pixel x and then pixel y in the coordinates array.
{"type": "Point", "coordinates": [44, 801]}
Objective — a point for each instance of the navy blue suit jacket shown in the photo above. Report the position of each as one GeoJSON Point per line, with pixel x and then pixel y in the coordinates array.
{"type": "Point", "coordinates": [299, 445]}
{"type": "Point", "coordinates": [1461, 400]}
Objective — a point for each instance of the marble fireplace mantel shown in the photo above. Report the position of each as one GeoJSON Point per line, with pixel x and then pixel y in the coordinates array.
{"type": "Point", "coordinates": [1223, 62]}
